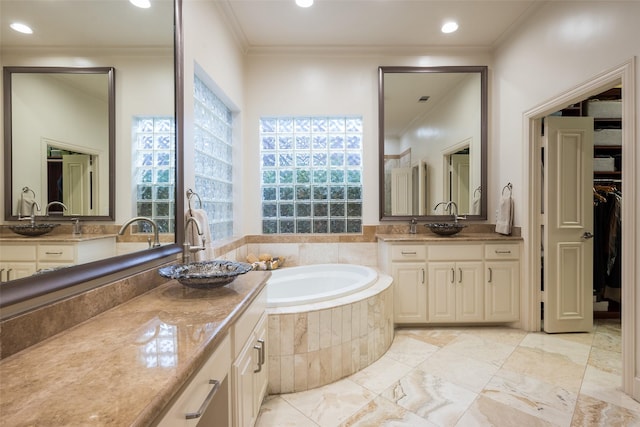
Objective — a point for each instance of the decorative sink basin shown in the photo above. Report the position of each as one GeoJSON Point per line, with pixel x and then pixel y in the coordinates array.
{"type": "Point", "coordinates": [31, 230]}
{"type": "Point", "coordinates": [445, 228]}
{"type": "Point", "coordinates": [206, 274]}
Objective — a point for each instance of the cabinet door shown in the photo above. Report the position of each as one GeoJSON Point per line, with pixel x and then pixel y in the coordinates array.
{"type": "Point", "coordinates": [243, 384]}
{"type": "Point", "coordinates": [16, 270]}
{"type": "Point", "coordinates": [469, 292]}
{"type": "Point", "coordinates": [442, 292]}
{"type": "Point", "coordinates": [261, 371]}
{"type": "Point", "coordinates": [410, 292]}
{"type": "Point", "coordinates": [502, 290]}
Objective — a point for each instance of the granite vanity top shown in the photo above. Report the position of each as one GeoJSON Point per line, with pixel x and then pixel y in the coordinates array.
{"type": "Point", "coordinates": [123, 366]}
{"type": "Point", "coordinates": [52, 238]}
{"type": "Point", "coordinates": [460, 237]}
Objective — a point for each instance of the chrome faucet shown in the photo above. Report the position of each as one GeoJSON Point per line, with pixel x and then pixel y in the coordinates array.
{"type": "Point", "coordinates": [154, 228]}
{"type": "Point", "coordinates": [188, 248]}
{"type": "Point", "coordinates": [32, 218]}
{"type": "Point", "coordinates": [448, 207]}
{"type": "Point", "coordinates": [64, 207]}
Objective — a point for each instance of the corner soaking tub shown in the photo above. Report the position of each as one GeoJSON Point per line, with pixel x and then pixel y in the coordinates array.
{"type": "Point", "coordinates": [326, 322]}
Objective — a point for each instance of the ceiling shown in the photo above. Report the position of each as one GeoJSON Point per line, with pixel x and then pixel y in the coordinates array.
{"type": "Point", "coordinates": [261, 24]}
{"type": "Point", "coordinates": [268, 24]}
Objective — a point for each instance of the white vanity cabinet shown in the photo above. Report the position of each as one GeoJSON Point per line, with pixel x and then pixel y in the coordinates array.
{"type": "Point", "coordinates": [25, 258]}
{"type": "Point", "coordinates": [250, 369]}
{"type": "Point", "coordinates": [465, 281]}
{"type": "Point", "coordinates": [206, 398]}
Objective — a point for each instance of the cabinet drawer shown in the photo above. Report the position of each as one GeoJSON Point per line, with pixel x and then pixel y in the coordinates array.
{"type": "Point", "coordinates": [472, 251]}
{"type": "Point", "coordinates": [408, 252]}
{"type": "Point", "coordinates": [55, 253]}
{"type": "Point", "coordinates": [505, 251]}
{"type": "Point", "coordinates": [10, 252]}
{"type": "Point", "coordinates": [245, 324]}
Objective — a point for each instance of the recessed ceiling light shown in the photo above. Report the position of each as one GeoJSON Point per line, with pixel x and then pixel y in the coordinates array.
{"type": "Point", "coordinates": [144, 4]}
{"type": "Point", "coordinates": [449, 27]}
{"type": "Point", "coordinates": [21, 28]}
{"type": "Point", "coordinates": [304, 3]}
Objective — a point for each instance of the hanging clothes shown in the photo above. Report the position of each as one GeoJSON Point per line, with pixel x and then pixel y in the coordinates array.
{"type": "Point", "coordinates": [607, 272]}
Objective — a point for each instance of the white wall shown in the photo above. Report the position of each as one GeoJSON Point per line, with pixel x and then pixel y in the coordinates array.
{"type": "Point", "coordinates": [212, 53]}
{"type": "Point", "coordinates": [561, 46]}
{"type": "Point", "coordinates": [323, 84]}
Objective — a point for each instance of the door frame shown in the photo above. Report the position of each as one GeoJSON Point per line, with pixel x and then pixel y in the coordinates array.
{"type": "Point", "coordinates": [625, 74]}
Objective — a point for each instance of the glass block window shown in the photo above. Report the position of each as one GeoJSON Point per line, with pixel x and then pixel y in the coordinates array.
{"type": "Point", "coordinates": [154, 159]}
{"type": "Point", "coordinates": [311, 170]}
{"type": "Point", "coordinates": [213, 160]}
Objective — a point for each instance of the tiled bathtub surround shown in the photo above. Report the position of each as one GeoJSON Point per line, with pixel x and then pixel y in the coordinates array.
{"type": "Point", "coordinates": [316, 344]}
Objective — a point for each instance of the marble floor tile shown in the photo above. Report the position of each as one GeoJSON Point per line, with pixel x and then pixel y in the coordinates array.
{"type": "Point", "coordinates": [479, 348]}
{"type": "Point", "coordinates": [410, 351]}
{"type": "Point", "coordinates": [553, 368]}
{"type": "Point", "coordinates": [434, 399]}
{"type": "Point", "coordinates": [381, 374]}
{"type": "Point", "coordinates": [463, 371]}
{"type": "Point", "coordinates": [557, 344]}
{"type": "Point", "coordinates": [596, 413]}
{"type": "Point", "coordinates": [275, 411]}
{"type": "Point", "coordinates": [332, 404]}
{"type": "Point", "coordinates": [488, 412]}
{"type": "Point", "coordinates": [474, 377]}
{"type": "Point", "coordinates": [606, 387]}
{"type": "Point", "coordinates": [382, 413]}
{"type": "Point", "coordinates": [534, 397]}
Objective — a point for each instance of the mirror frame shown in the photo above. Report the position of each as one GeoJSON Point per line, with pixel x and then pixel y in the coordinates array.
{"type": "Point", "coordinates": [8, 72]}
{"type": "Point", "coordinates": [118, 267]}
{"type": "Point", "coordinates": [483, 71]}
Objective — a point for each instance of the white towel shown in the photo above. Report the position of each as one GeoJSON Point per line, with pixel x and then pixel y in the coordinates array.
{"type": "Point", "coordinates": [475, 207]}
{"type": "Point", "coordinates": [26, 202]}
{"type": "Point", "coordinates": [504, 215]}
{"type": "Point", "coordinates": [201, 216]}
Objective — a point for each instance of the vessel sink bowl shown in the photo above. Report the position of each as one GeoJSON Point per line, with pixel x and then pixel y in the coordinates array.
{"type": "Point", "coordinates": [445, 228]}
{"type": "Point", "coordinates": [206, 274]}
{"type": "Point", "coordinates": [32, 230]}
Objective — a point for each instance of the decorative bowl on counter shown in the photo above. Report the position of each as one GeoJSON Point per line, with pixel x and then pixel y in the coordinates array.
{"type": "Point", "coordinates": [206, 274]}
{"type": "Point", "coordinates": [32, 230]}
{"type": "Point", "coordinates": [445, 228]}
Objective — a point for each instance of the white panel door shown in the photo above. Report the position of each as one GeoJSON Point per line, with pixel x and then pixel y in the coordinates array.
{"type": "Point", "coordinates": [568, 224]}
{"type": "Point", "coordinates": [76, 184]}
{"type": "Point", "coordinates": [402, 191]}
{"type": "Point", "coordinates": [460, 182]}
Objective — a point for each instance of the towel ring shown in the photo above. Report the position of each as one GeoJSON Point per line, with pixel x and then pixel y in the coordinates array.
{"type": "Point", "coordinates": [190, 194]}
{"type": "Point", "coordinates": [507, 187]}
{"type": "Point", "coordinates": [27, 190]}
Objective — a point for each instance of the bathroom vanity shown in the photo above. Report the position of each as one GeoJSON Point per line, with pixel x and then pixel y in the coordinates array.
{"type": "Point", "coordinates": [23, 256]}
{"type": "Point", "coordinates": [471, 278]}
{"type": "Point", "coordinates": [171, 356]}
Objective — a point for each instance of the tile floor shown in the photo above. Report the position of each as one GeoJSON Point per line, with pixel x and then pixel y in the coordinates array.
{"type": "Point", "coordinates": [481, 376]}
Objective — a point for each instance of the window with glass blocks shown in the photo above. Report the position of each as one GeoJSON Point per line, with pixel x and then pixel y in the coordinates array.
{"type": "Point", "coordinates": [311, 170]}
{"type": "Point", "coordinates": [213, 160]}
{"type": "Point", "coordinates": [154, 159]}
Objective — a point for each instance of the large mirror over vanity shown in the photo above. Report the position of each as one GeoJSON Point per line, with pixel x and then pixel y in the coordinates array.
{"type": "Point", "coordinates": [111, 68]}
{"type": "Point", "coordinates": [432, 141]}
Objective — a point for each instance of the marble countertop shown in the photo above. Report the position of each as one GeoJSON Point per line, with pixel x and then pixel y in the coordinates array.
{"type": "Point", "coordinates": [52, 238]}
{"type": "Point", "coordinates": [460, 237]}
{"type": "Point", "coordinates": [123, 366]}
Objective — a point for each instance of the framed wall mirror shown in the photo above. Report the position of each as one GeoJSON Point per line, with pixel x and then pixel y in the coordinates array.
{"type": "Point", "coordinates": [432, 141]}
{"type": "Point", "coordinates": [59, 136]}
{"type": "Point", "coordinates": [144, 46]}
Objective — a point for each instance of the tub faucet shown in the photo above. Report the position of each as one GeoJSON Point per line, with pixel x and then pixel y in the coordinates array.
{"type": "Point", "coordinates": [154, 228]}
{"type": "Point", "coordinates": [64, 207]}
{"type": "Point", "coordinates": [452, 207]}
{"type": "Point", "coordinates": [188, 248]}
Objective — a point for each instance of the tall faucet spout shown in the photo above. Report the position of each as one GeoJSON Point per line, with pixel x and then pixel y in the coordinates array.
{"type": "Point", "coordinates": [34, 207]}
{"type": "Point", "coordinates": [54, 203]}
{"type": "Point", "coordinates": [188, 247]}
{"type": "Point", "coordinates": [154, 228]}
